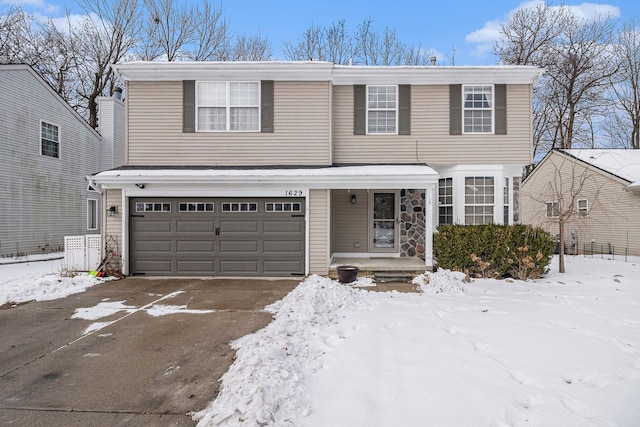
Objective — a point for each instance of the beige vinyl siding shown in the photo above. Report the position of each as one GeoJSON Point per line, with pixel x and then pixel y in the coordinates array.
{"type": "Point", "coordinates": [42, 198]}
{"type": "Point", "coordinates": [301, 129]}
{"type": "Point", "coordinates": [319, 209]}
{"type": "Point", "coordinates": [113, 224]}
{"type": "Point", "coordinates": [614, 212]}
{"type": "Point", "coordinates": [349, 222]}
{"type": "Point", "coordinates": [430, 128]}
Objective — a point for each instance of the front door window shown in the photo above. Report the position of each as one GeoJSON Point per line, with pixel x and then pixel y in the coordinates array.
{"type": "Point", "coordinates": [384, 221]}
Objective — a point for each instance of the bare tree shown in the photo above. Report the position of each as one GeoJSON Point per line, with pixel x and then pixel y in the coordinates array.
{"type": "Point", "coordinates": [310, 47]}
{"type": "Point", "coordinates": [106, 35]}
{"type": "Point", "coordinates": [365, 46]}
{"type": "Point", "coordinates": [579, 62]}
{"type": "Point", "coordinates": [624, 124]}
{"type": "Point", "coordinates": [16, 38]}
{"type": "Point", "coordinates": [249, 48]}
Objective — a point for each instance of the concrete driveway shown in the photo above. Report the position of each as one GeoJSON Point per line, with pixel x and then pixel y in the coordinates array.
{"type": "Point", "coordinates": [150, 364]}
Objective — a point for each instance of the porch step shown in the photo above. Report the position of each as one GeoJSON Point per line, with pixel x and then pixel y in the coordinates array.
{"type": "Point", "coordinates": [395, 276]}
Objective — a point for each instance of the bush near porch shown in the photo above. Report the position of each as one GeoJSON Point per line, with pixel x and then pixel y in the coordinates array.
{"type": "Point", "coordinates": [495, 251]}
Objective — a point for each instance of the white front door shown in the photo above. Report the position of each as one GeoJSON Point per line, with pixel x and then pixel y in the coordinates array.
{"type": "Point", "coordinates": [383, 221]}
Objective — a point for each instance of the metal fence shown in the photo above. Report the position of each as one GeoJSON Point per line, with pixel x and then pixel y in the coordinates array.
{"type": "Point", "coordinates": [605, 249]}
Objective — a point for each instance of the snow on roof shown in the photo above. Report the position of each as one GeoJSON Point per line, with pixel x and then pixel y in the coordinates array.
{"type": "Point", "coordinates": [328, 171]}
{"type": "Point", "coordinates": [312, 177]}
{"type": "Point", "coordinates": [620, 162]}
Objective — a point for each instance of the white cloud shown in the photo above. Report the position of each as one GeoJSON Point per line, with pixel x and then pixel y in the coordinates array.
{"type": "Point", "coordinates": [593, 10]}
{"type": "Point", "coordinates": [36, 5]}
{"type": "Point", "coordinates": [489, 33]}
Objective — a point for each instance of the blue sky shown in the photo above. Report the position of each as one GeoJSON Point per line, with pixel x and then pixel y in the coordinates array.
{"type": "Point", "coordinates": [469, 26]}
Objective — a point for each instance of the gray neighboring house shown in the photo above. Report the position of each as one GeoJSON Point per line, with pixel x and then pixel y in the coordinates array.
{"type": "Point", "coordinates": [46, 150]}
{"type": "Point", "coordinates": [604, 186]}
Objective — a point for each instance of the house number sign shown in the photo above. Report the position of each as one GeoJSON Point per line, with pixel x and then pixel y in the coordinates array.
{"type": "Point", "coordinates": [293, 193]}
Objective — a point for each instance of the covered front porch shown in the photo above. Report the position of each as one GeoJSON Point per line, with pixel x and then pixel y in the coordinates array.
{"type": "Point", "coordinates": [373, 265]}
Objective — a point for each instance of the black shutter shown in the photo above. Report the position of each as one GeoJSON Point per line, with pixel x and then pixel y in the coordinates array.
{"type": "Point", "coordinates": [266, 106]}
{"type": "Point", "coordinates": [359, 109]}
{"type": "Point", "coordinates": [455, 109]}
{"type": "Point", "coordinates": [188, 106]}
{"type": "Point", "coordinates": [501, 109]}
{"type": "Point", "coordinates": [404, 110]}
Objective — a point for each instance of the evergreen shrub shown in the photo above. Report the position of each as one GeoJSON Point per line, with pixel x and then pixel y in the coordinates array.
{"type": "Point", "coordinates": [496, 251]}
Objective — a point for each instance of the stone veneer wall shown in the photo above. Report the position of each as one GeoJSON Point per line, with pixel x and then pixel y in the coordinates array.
{"type": "Point", "coordinates": [412, 223]}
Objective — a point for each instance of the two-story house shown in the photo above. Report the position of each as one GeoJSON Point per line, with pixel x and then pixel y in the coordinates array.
{"type": "Point", "coordinates": [46, 151]}
{"type": "Point", "coordinates": [287, 168]}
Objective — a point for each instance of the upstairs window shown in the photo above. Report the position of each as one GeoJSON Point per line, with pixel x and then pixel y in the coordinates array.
{"type": "Point", "coordinates": [382, 107]}
{"type": "Point", "coordinates": [228, 106]}
{"type": "Point", "coordinates": [478, 108]}
{"type": "Point", "coordinates": [49, 140]}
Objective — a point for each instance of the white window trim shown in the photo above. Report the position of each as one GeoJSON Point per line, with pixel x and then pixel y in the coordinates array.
{"type": "Point", "coordinates": [382, 109]}
{"type": "Point", "coordinates": [586, 208]}
{"type": "Point", "coordinates": [552, 202]}
{"type": "Point", "coordinates": [493, 109]}
{"type": "Point", "coordinates": [95, 209]}
{"type": "Point", "coordinates": [228, 107]}
{"type": "Point", "coordinates": [59, 139]}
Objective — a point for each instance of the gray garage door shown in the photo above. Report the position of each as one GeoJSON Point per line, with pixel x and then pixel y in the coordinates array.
{"type": "Point", "coordinates": [215, 236]}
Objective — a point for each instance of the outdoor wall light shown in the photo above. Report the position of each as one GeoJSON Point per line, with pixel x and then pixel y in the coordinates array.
{"type": "Point", "coordinates": [353, 199]}
{"type": "Point", "coordinates": [112, 211]}
{"type": "Point", "coordinates": [140, 186]}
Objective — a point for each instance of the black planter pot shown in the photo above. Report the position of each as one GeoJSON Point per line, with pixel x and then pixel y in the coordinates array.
{"type": "Point", "coordinates": [347, 273]}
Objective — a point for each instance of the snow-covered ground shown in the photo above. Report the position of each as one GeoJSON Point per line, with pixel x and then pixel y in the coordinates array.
{"type": "Point", "coordinates": [39, 278]}
{"type": "Point", "coordinates": [562, 351]}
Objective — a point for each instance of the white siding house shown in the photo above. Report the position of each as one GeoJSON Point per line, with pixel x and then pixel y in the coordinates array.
{"type": "Point", "coordinates": [46, 150]}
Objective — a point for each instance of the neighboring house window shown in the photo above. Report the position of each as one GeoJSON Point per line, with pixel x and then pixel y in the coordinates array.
{"type": "Point", "coordinates": [506, 201]}
{"type": "Point", "coordinates": [382, 102]}
{"type": "Point", "coordinates": [478, 108]}
{"type": "Point", "coordinates": [583, 207]}
{"type": "Point", "coordinates": [228, 106]}
{"type": "Point", "coordinates": [445, 201]}
{"type": "Point", "coordinates": [553, 209]}
{"type": "Point", "coordinates": [50, 140]}
{"type": "Point", "coordinates": [478, 197]}
{"type": "Point", "coordinates": [92, 214]}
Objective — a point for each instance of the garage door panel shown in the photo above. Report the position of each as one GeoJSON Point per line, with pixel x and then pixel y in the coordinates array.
{"type": "Point", "coordinates": [158, 266]}
{"type": "Point", "coordinates": [152, 226]}
{"type": "Point", "coordinates": [195, 246]}
{"type": "Point", "coordinates": [283, 226]}
{"type": "Point", "coordinates": [194, 266]}
{"type": "Point", "coordinates": [281, 266]}
{"type": "Point", "coordinates": [292, 246]}
{"type": "Point", "coordinates": [230, 226]}
{"type": "Point", "coordinates": [186, 226]}
{"type": "Point", "coordinates": [153, 246]}
{"type": "Point", "coordinates": [237, 266]}
{"type": "Point", "coordinates": [249, 246]}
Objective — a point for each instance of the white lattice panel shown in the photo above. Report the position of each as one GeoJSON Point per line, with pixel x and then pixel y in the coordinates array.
{"type": "Point", "coordinates": [93, 245]}
{"type": "Point", "coordinates": [74, 257]}
{"type": "Point", "coordinates": [82, 253]}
